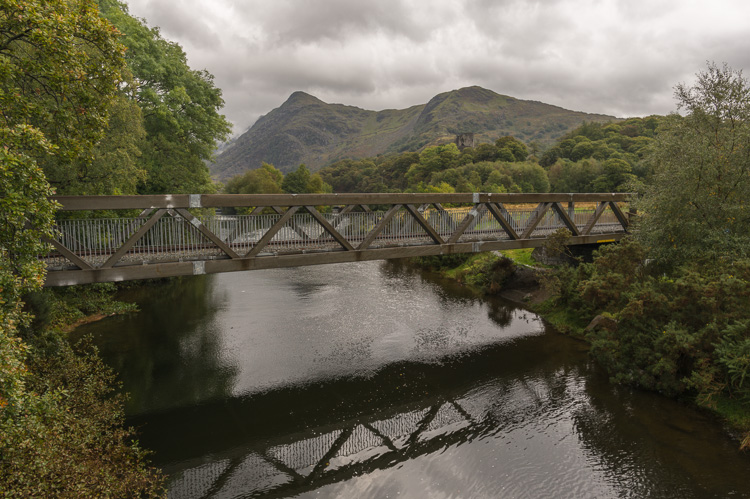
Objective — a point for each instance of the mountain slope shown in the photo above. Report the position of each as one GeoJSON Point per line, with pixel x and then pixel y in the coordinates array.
{"type": "Point", "coordinates": [305, 129]}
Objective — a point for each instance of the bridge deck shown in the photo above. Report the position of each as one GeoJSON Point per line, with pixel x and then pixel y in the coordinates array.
{"type": "Point", "coordinates": [184, 235]}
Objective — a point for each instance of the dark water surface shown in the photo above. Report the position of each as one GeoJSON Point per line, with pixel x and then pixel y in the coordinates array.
{"type": "Point", "coordinates": [371, 380]}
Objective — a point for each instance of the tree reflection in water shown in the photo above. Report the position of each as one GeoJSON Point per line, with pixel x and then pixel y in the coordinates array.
{"type": "Point", "coordinates": [177, 313]}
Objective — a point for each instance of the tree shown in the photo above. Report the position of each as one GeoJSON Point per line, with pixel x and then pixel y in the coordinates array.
{"type": "Point", "coordinates": [512, 147]}
{"type": "Point", "coordinates": [301, 181]}
{"type": "Point", "coordinates": [296, 182]}
{"type": "Point", "coordinates": [60, 68]}
{"type": "Point", "coordinates": [264, 180]}
{"type": "Point", "coordinates": [615, 176]}
{"type": "Point", "coordinates": [530, 177]}
{"type": "Point", "coordinates": [180, 107]}
{"type": "Point", "coordinates": [431, 160]}
{"type": "Point", "coordinates": [582, 150]}
{"type": "Point", "coordinates": [697, 205]}
{"type": "Point", "coordinates": [115, 165]}
{"type": "Point", "coordinates": [26, 216]}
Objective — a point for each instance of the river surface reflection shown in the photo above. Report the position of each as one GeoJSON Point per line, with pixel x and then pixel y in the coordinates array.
{"type": "Point", "coordinates": [373, 380]}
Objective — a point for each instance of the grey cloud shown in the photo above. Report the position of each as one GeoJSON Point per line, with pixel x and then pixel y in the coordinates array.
{"type": "Point", "coordinates": [289, 22]}
{"type": "Point", "coordinates": [180, 22]}
{"type": "Point", "coordinates": [526, 26]}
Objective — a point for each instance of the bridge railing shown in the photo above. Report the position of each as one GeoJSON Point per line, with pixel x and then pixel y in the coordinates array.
{"type": "Point", "coordinates": [191, 234]}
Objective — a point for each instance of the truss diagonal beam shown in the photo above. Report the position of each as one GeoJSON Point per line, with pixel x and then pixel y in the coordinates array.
{"type": "Point", "coordinates": [499, 214]}
{"type": "Point", "coordinates": [329, 228]}
{"type": "Point", "coordinates": [271, 232]}
{"type": "Point", "coordinates": [600, 207]}
{"type": "Point", "coordinates": [378, 227]}
{"type": "Point", "coordinates": [281, 466]}
{"type": "Point", "coordinates": [296, 228]}
{"type": "Point", "coordinates": [563, 214]}
{"type": "Point", "coordinates": [78, 261]}
{"type": "Point", "coordinates": [465, 223]}
{"type": "Point", "coordinates": [424, 224]}
{"type": "Point", "coordinates": [424, 423]}
{"type": "Point", "coordinates": [340, 441]}
{"type": "Point", "coordinates": [386, 440]}
{"type": "Point", "coordinates": [536, 217]}
{"type": "Point", "coordinates": [133, 239]}
{"type": "Point", "coordinates": [620, 215]}
{"type": "Point", "coordinates": [203, 230]}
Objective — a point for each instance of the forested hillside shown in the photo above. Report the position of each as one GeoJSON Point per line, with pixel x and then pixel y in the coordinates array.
{"type": "Point", "coordinates": [611, 157]}
{"type": "Point", "coordinates": [594, 157]}
{"type": "Point", "coordinates": [307, 130]}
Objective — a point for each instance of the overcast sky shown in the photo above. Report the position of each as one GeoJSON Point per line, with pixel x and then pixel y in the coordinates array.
{"type": "Point", "coordinates": [618, 57]}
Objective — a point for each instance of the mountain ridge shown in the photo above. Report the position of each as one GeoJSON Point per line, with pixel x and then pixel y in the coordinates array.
{"type": "Point", "coordinates": [305, 129]}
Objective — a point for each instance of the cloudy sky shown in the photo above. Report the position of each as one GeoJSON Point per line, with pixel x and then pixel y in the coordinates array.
{"type": "Point", "coordinates": [618, 57]}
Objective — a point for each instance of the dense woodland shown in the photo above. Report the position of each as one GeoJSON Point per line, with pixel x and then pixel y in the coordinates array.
{"type": "Point", "coordinates": [594, 157]}
{"type": "Point", "coordinates": [96, 102]}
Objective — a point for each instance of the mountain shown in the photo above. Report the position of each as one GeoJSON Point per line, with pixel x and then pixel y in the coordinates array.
{"type": "Point", "coordinates": [306, 130]}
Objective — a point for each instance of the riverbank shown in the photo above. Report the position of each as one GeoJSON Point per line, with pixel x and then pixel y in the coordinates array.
{"type": "Point", "coordinates": [532, 286]}
{"type": "Point", "coordinates": [65, 309]}
{"type": "Point", "coordinates": [513, 275]}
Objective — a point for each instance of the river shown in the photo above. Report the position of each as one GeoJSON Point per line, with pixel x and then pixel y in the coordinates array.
{"type": "Point", "coordinates": [373, 380]}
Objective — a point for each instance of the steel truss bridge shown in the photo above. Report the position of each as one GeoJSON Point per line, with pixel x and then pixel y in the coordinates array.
{"type": "Point", "coordinates": [118, 238]}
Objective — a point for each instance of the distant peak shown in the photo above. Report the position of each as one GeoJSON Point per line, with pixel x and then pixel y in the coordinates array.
{"type": "Point", "coordinates": [475, 92]}
{"type": "Point", "coordinates": [302, 98]}
{"type": "Point", "coordinates": [473, 88]}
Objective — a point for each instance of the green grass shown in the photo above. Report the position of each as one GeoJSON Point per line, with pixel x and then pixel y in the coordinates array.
{"type": "Point", "coordinates": [522, 257]}
{"type": "Point", "coordinates": [473, 262]}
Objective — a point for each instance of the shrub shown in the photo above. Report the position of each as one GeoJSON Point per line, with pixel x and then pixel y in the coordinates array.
{"type": "Point", "coordinates": [68, 440]}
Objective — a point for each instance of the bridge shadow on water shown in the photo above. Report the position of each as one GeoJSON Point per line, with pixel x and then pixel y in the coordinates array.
{"type": "Point", "coordinates": [287, 441]}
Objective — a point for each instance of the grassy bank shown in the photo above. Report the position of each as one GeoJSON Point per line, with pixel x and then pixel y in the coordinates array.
{"type": "Point", "coordinates": [64, 309]}
{"type": "Point", "coordinates": [486, 273]}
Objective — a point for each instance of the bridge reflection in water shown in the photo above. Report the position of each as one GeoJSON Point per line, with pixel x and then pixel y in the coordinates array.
{"type": "Point", "coordinates": [295, 440]}
{"type": "Point", "coordinates": [292, 464]}
{"type": "Point", "coordinates": [285, 468]}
